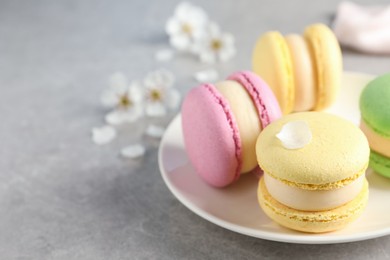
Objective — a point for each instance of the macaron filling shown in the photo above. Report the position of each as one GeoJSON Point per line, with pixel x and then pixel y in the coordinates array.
{"type": "Point", "coordinates": [378, 143]}
{"type": "Point", "coordinates": [312, 200]}
{"type": "Point", "coordinates": [265, 111]}
{"type": "Point", "coordinates": [309, 221]}
{"type": "Point", "coordinates": [247, 119]}
{"type": "Point", "coordinates": [305, 88]}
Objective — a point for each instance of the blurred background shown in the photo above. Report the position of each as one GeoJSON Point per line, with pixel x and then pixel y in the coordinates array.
{"type": "Point", "coordinates": [61, 196]}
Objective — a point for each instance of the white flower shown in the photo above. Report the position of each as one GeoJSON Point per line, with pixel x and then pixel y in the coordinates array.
{"type": "Point", "coordinates": [215, 45]}
{"type": "Point", "coordinates": [185, 26]}
{"type": "Point", "coordinates": [103, 135]}
{"type": "Point", "coordinates": [126, 100]}
{"type": "Point", "coordinates": [159, 93]}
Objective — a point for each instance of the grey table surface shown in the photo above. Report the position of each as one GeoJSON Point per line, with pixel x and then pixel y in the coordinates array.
{"type": "Point", "coordinates": [61, 196]}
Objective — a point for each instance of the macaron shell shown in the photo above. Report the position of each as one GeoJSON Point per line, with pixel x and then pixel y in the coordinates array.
{"type": "Point", "coordinates": [305, 88]}
{"type": "Point", "coordinates": [262, 96]}
{"type": "Point", "coordinates": [313, 222]}
{"type": "Point", "coordinates": [272, 61]}
{"type": "Point", "coordinates": [211, 136]}
{"type": "Point", "coordinates": [327, 59]}
{"type": "Point", "coordinates": [375, 105]}
{"type": "Point", "coordinates": [380, 164]}
{"type": "Point", "coordinates": [337, 151]}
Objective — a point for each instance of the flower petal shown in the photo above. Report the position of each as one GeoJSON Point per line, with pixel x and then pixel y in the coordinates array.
{"type": "Point", "coordinates": [182, 9]}
{"type": "Point", "coordinates": [164, 55]}
{"type": "Point", "coordinates": [118, 117]}
{"type": "Point", "coordinates": [133, 151]}
{"type": "Point", "coordinates": [131, 115]}
{"type": "Point", "coordinates": [210, 75]}
{"type": "Point", "coordinates": [155, 131]}
{"type": "Point", "coordinates": [155, 109]}
{"type": "Point", "coordinates": [181, 42]}
{"type": "Point", "coordinates": [172, 26]}
{"type": "Point", "coordinates": [135, 93]}
{"type": "Point", "coordinates": [114, 117]}
{"type": "Point", "coordinates": [160, 79]}
{"type": "Point", "coordinates": [295, 135]}
{"type": "Point", "coordinates": [103, 135]}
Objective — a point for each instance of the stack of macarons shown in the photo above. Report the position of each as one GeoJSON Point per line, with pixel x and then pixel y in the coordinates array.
{"type": "Point", "coordinates": [314, 171]}
{"type": "Point", "coordinates": [375, 122]}
{"type": "Point", "coordinates": [221, 123]}
{"type": "Point", "coordinates": [304, 72]}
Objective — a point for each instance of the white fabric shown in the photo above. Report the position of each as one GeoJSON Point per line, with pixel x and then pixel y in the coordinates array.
{"type": "Point", "coordinates": [364, 28]}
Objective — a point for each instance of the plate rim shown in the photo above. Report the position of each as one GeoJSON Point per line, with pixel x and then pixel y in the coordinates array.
{"type": "Point", "coordinates": [267, 235]}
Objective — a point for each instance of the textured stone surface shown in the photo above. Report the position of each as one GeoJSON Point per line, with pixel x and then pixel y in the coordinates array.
{"type": "Point", "coordinates": [61, 196]}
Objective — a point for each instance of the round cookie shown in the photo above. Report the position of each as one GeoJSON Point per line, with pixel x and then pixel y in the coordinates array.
{"type": "Point", "coordinates": [305, 88]}
{"type": "Point", "coordinates": [221, 123]}
{"type": "Point", "coordinates": [272, 61]}
{"type": "Point", "coordinates": [320, 185]}
{"type": "Point", "coordinates": [327, 59]}
{"type": "Point", "coordinates": [375, 122]}
{"type": "Point", "coordinates": [304, 72]}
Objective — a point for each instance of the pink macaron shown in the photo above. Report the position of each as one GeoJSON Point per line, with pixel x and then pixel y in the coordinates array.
{"type": "Point", "coordinates": [221, 123]}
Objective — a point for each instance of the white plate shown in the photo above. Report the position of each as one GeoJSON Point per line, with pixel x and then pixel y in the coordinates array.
{"type": "Point", "coordinates": [236, 208]}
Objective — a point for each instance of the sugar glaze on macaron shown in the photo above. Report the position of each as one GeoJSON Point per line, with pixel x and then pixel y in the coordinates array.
{"type": "Point", "coordinates": [320, 186]}
{"type": "Point", "coordinates": [221, 123]}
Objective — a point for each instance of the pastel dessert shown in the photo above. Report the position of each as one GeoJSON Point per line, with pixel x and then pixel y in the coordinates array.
{"type": "Point", "coordinates": [304, 72]}
{"type": "Point", "coordinates": [314, 171]}
{"type": "Point", "coordinates": [221, 123]}
{"type": "Point", "coordinates": [375, 122]}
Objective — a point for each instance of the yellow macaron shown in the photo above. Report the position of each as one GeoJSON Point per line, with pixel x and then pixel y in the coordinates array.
{"type": "Point", "coordinates": [314, 171]}
{"type": "Point", "coordinates": [328, 63]}
{"type": "Point", "coordinates": [303, 71]}
{"type": "Point", "coordinates": [272, 61]}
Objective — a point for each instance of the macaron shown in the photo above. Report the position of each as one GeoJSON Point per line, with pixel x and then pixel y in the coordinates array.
{"type": "Point", "coordinates": [221, 123]}
{"type": "Point", "coordinates": [303, 71]}
{"type": "Point", "coordinates": [375, 122]}
{"type": "Point", "coordinates": [314, 167]}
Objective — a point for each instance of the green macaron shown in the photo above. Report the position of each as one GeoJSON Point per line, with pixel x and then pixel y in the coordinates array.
{"type": "Point", "coordinates": [380, 164]}
{"type": "Point", "coordinates": [375, 122]}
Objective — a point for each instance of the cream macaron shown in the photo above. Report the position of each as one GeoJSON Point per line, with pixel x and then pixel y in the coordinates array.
{"type": "Point", "coordinates": [304, 71]}
{"type": "Point", "coordinates": [375, 122]}
{"type": "Point", "coordinates": [314, 171]}
{"type": "Point", "coordinates": [221, 123]}
{"type": "Point", "coordinates": [305, 87]}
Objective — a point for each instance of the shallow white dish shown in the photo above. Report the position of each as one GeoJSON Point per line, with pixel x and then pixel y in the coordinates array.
{"type": "Point", "coordinates": [236, 208]}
